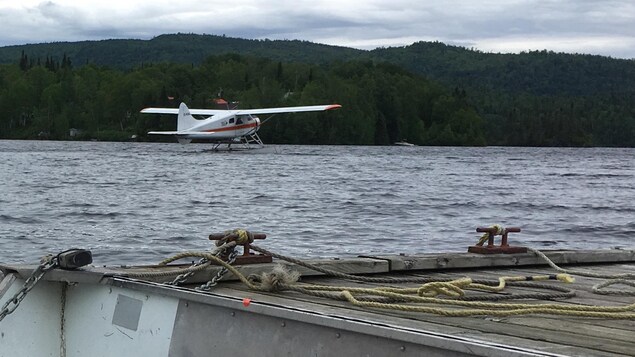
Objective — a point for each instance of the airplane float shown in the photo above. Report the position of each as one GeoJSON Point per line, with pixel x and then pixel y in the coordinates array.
{"type": "Point", "coordinates": [224, 126]}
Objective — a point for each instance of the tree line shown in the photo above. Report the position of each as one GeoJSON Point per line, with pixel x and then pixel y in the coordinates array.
{"type": "Point", "coordinates": [382, 103]}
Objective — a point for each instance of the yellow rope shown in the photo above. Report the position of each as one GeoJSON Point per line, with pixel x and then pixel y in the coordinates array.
{"type": "Point", "coordinates": [623, 312]}
{"type": "Point", "coordinates": [499, 230]}
{"type": "Point", "coordinates": [426, 294]}
{"type": "Point", "coordinates": [476, 307]}
{"type": "Point", "coordinates": [454, 289]}
{"type": "Point", "coordinates": [242, 236]}
{"type": "Point", "coordinates": [502, 281]}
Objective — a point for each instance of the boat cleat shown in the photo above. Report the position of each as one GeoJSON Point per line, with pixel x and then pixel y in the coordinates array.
{"type": "Point", "coordinates": [248, 257]}
{"type": "Point", "coordinates": [491, 248]}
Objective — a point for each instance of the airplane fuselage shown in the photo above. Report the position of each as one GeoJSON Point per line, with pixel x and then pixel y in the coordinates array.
{"type": "Point", "coordinates": [212, 129]}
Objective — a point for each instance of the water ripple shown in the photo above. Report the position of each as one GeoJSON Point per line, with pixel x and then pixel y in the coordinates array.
{"type": "Point", "coordinates": [140, 202]}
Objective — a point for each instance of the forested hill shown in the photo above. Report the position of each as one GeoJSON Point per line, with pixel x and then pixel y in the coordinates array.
{"type": "Point", "coordinates": [176, 48]}
{"type": "Point", "coordinates": [537, 72]}
{"type": "Point", "coordinates": [542, 73]}
{"type": "Point", "coordinates": [429, 93]}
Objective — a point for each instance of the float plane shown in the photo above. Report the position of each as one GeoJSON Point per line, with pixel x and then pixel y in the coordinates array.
{"type": "Point", "coordinates": [224, 126]}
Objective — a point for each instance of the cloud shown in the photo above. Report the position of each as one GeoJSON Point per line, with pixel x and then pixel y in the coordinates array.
{"type": "Point", "coordinates": [585, 26]}
{"type": "Point", "coordinates": [607, 46]}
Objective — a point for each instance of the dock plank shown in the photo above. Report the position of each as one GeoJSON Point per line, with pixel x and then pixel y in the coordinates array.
{"type": "Point", "coordinates": [582, 285]}
{"type": "Point", "coordinates": [471, 260]}
{"type": "Point", "coordinates": [585, 284]}
{"type": "Point", "coordinates": [583, 297]}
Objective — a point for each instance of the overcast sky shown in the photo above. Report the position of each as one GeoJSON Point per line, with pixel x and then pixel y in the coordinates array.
{"type": "Point", "coordinates": [574, 26]}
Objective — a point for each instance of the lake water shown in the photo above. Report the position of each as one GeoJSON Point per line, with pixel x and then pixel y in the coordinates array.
{"type": "Point", "coordinates": [142, 202]}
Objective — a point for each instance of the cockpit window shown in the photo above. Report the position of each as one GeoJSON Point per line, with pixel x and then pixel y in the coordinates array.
{"type": "Point", "coordinates": [231, 120]}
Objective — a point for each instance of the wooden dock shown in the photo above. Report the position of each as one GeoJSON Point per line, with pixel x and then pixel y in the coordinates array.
{"type": "Point", "coordinates": [539, 334]}
{"type": "Point", "coordinates": [234, 320]}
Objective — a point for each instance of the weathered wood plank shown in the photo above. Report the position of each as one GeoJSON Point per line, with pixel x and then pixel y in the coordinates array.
{"type": "Point", "coordinates": [586, 298]}
{"type": "Point", "coordinates": [471, 260]}
{"type": "Point", "coordinates": [584, 284]}
{"type": "Point", "coordinates": [583, 297]}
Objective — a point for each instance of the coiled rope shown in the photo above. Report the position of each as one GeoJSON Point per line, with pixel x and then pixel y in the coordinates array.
{"type": "Point", "coordinates": [281, 280]}
{"type": "Point", "coordinates": [614, 279]}
{"type": "Point", "coordinates": [444, 292]}
{"type": "Point", "coordinates": [521, 282]}
{"type": "Point", "coordinates": [426, 294]}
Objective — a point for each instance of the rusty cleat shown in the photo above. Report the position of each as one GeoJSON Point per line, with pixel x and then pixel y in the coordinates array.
{"type": "Point", "coordinates": [247, 257]}
{"type": "Point", "coordinates": [491, 248]}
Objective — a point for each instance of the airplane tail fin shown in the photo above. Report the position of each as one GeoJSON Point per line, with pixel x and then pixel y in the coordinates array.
{"type": "Point", "coordinates": [185, 120]}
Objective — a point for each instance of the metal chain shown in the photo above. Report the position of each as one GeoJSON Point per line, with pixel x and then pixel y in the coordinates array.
{"type": "Point", "coordinates": [214, 281]}
{"type": "Point", "coordinates": [38, 273]}
{"type": "Point", "coordinates": [182, 278]}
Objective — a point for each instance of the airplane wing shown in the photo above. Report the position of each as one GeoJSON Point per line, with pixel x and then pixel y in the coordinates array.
{"type": "Point", "coordinates": [309, 108]}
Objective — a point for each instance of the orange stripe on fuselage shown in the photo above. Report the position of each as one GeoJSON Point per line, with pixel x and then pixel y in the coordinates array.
{"type": "Point", "coordinates": [235, 127]}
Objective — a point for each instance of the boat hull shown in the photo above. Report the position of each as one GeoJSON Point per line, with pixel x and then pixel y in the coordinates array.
{"type": "Point", "coordinates": [125, 317]}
